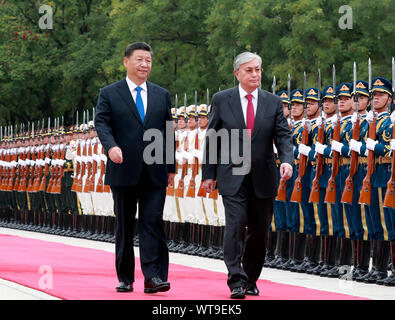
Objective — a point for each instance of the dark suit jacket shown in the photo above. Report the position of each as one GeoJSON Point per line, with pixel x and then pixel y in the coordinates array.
{"type": "Point", "coordinates": [270, 125]}
{"type": "Point", "coordinates": [118, 123]}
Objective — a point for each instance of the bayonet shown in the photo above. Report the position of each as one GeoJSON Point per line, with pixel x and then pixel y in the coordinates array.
{"type": "Point", "coordinates": [274, 85]}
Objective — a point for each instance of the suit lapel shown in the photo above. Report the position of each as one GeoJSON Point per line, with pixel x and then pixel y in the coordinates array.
{"type": "Point", "coordinates": [126, 96]}
{"type": "Point", "coordinates": [260, 112]}
{"type": "Point", "coordinates": [150, 102]}
{"type": "Point", "coordinates": [235, 103]}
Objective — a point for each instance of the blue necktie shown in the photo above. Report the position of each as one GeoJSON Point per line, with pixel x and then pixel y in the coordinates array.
{"type": "Point", "coordinates": [139, 103]}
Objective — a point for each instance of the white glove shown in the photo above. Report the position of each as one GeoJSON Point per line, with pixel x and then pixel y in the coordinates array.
{"type": "Point", "coordinates": [370, 144]}
{"type": "Point", "coordinates": [274, 149]}
{"type": "Point", "coordinates": [337, 146]}
{"type": "Point", "coordinates": [355, 145]}
{"type": "Point", "coordinates": [393, 117]}
{"type": "Point", "coordinates": [354, 118]}
{"type": "Point", "coordinates": [303, 149]}
{"type": "Point", "coordinates": [319, 121]}
{"type": "Point", "coordinates": [370, 116]}
{"type": "Point", "coordinates": [393, 144]}
{"type": "Point", "coordinates": [334, 119]}
{"type": "Point", "coordinates": [319, 147]}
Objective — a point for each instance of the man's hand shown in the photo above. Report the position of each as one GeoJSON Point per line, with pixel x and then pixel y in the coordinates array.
{"type": "Point", "coordinates": [115, 154]}
{"type": "Point", "coordinates": [170, 179]}
{"type": "Point", "coordinates": [208, 185]}
{"type": "Point", "coordinates": [285, 171]}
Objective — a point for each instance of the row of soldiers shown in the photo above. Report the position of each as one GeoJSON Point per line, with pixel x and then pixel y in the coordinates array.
{"type": "Point", "coordinates": [52, 180]}
{"type": "Point", "coordinates": [338, 208]}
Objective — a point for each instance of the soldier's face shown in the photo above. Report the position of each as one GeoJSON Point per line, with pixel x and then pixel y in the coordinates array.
{"type": "Point", "coordinates": [285, 109]}
{"type": "Point", "coordinates": [297, 109]}
{"type": "Point", "coordinates": [312, 107]}
{"type": "Point", "coordinates": [249, 75]}
{"type": "Point", "coordinates": [345, 104]}
{"type": "Point", "coordinates": [191, 123]}
{"type": "Point", "coordinates": [181, 123]}
{"type": "Point", "coordinates": [329, 106]}
{"type": "Point", "coordinates": [381, 100]}
{"type": "Point", "coordinates": [363, 102]}
{"type": "Point", "coordinates": [203, 122]}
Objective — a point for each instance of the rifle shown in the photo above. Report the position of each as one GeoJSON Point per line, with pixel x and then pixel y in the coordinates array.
{"type": "Point", "coordinates": [315, 188]}
{"type": "Point", "coordinates": [61, 153]}
{"type": "Point", "coordinates": [40, 160]}
{"type": "Point", "coordinates": [43, 182]}
{"type": "Point", "coordinates": [95, 157]}
{"type": "Point", "coordinates": [170, 188]}
{"type": "Point", "coordinates": [55, 157]}
{"type": "Point", "coordinates": [88, 147]}
{"type": "Point", "coordinates": [33, 156]}
{"type": "Point", "coordinates": [348, 191]}
{"type": "Point", "coordinates": [282, 188]}
{"type": "Point", "coordinates": [19, 156]}
{"type": "Point", "coordinates": [179, 192]}
{"type": "Point", "coordinates": [191, 192]}
{"type": "Point", "coordinates": [26, 155]}
{"type": "Point", "coordinates": [78, 163]}
{"type": "Point", "coordinates": [330, 195]}
{"type": "Point", "coordinates": [79, 182]}
{"type": "Point", "coordinates": [297, 191]}
{"type": "Point", "coordinates": [389, 199]}
{"type": "Point", "coordinates": [201, 191]}
{"type": "Point", "coordinates": [366, 191]}
{"type": "Point", "coordinates": [13, 159]}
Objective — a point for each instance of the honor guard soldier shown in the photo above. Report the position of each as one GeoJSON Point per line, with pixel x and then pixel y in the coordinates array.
{"type": "Point", "coordinates": [277, 252]}
{"type": "Point", "coordinates": [328, 223]}
{"type": "Point", "coordinates": [297, 237]}
{"type": "Point", "coordinates": [380, 146]}
{"type": "Point", "coordinates": [313, 213]}
{"type": "Point", "coordinates": [361, 247]}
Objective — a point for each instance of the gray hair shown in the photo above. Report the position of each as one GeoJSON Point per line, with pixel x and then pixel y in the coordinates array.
{"type": "Point", "coordinates": [244, 58]}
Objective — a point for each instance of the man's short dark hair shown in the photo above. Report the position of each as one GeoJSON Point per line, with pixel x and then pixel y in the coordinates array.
{"type": "Point", "coordinates": [137, 46]}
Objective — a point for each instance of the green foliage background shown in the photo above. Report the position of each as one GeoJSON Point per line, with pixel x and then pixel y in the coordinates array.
{"type": "Point", "coordinates": [49, 73]}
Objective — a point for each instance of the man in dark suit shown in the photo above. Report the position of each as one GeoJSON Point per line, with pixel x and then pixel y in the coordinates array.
{"type": "Point", "coordinates": [254, 118]}
{"type": "Point", "coordinates": [126, 111]}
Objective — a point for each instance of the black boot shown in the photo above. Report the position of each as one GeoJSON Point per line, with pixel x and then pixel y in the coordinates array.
{"type": "Point", "coordinates": [321, 258]}
{"type": "Point", "coordinates": [390, 280]}
{"type": "Point", "coordinates": [312, 254]}
{"type": "Point", "coordinates": [291, 251]}
{"type": "Point", "coordinates": [361, 253]}
{"type": "Point", "coordinates": [333, 256]}
{"type": "Point", "coordinates": [271, 247]}
{"type": "Point", "coordinates": [345, 257]}
{"type": "Point", "coordinates": [383, 253]}
{"type": "Point", "coordinates": [281, 252]}
{"type": "Point", "coordinates": [300, 250]}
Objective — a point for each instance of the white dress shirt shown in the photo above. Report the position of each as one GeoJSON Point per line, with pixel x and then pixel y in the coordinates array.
{"type": "Point", "coordinates": [244, 101]}
{"type": "Point", "coordinates": [132, 87]}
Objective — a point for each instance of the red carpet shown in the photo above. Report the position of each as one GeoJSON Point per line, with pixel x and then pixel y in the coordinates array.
{"type": "Point", "coordinates": [75, 273]}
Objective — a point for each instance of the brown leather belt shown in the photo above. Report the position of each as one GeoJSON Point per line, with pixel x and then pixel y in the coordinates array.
{"type": "Point", "coordinates": [381, 160]}
{"type": "Point", "coordinates": [328, 161]}
{"type": "Point", "coordinates": [362, 160]}
{"type": "Point", "coordinates": [345, 161]}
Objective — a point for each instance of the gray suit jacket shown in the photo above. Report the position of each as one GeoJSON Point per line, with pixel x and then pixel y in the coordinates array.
{"type": "Point", "coordinates": [226, 118]}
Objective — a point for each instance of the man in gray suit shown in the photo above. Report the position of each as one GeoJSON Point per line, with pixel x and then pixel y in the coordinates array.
{"type": "Point", "coordinates": [243, 167]}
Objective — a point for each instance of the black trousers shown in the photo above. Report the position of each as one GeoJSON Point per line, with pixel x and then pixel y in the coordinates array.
{"type": "Point", "coordinates": [247, 220]}
{"type": "Point", "coordinates": [154, 254]}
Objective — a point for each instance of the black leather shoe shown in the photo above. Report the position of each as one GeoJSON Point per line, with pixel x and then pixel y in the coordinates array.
{"type": "Point", "coordinates": [155, 285]}
{"type": "Point", "coordinates": [237, 293]}
{"type": "Point", "coordinates": [251, 290]}
{"type": "Point", "coordinates": [124, 287]}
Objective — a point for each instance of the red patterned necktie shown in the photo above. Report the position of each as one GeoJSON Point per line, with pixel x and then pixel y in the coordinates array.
{"type": "Point", "coordinates": [250, 114]}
